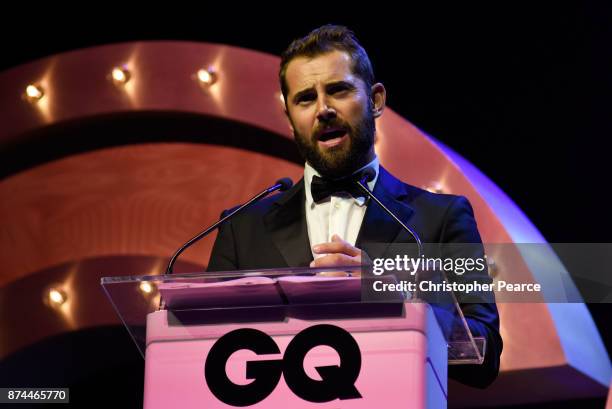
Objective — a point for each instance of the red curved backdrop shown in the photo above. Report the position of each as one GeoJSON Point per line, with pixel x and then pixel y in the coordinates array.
{"type": "Point", "coordinates": [78, 204]}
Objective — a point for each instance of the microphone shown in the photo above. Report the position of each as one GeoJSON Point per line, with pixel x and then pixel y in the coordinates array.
{"type": "Point", "coordinates": [281, 184]}
{"type": "Point", "coordinates": [368, 175]}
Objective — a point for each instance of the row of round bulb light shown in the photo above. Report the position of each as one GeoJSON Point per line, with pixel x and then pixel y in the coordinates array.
{"type": "Point", "coordinates": [57, 296]}
{"type": "Point", "coordinates": [120, 76]}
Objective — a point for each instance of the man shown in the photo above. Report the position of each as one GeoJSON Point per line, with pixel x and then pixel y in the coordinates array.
{"type": "Point", "coordinates": [331, 101]}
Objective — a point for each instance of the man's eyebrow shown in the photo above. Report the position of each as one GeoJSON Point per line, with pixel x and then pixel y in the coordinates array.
{"type": "Point", "coordinates": [340, 83]}
{"type": "Point", "coordinates": [298, 95]}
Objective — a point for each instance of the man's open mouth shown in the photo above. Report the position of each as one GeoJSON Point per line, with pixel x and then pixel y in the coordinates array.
{"type": "Point", "coordinates": [331, 134]}
{"type": "Point", "coordinates": [332, 137]}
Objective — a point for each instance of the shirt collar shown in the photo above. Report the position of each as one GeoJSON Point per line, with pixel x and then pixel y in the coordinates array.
{"type": "Point", "coordinates": [309, 172]}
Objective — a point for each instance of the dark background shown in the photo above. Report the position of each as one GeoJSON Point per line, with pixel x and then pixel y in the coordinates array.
{"type": "Point", "coordinates": [524, 93]}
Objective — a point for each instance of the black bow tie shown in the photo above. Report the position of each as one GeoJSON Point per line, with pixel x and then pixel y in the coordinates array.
{"type": "Point", "coordinates": [322, 188]}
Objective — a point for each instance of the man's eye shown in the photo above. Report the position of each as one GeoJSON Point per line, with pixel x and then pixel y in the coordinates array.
{"type": "Point", "coordinates": [339, 90]}
{"type": "Point", "coordinates": [305, 98]}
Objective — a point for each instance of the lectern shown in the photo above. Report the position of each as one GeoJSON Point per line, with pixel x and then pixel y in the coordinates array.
{"type": "Point", "coordinates": [289, 338]}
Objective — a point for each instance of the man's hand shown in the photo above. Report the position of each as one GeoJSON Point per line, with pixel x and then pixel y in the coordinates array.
{"type": "Point", "coordinates": [337, 253]}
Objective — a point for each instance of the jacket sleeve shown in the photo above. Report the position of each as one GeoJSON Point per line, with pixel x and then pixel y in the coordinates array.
{"type": "Point", "coordinates": [481, 314]}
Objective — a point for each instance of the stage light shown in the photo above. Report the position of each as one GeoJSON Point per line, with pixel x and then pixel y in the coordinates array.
{"type": "Point", "coordinates": [493, 267]}
{"type": "Point", "coordinates": [120, 75]}
{"type": "Point", "coordinates": [146, 287]}
{"type": "Point", "coordinates": [34, 93]}
{"type": "Point", "coordinates": [434, 188]}
{"type": "Point", "coordinates": [206, 76]}
{"type": "Point", "coordinates": [57, 297]}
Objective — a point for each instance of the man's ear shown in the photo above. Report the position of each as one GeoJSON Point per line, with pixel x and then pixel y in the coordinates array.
{"type": "Point", "coordinates": [379, 99]}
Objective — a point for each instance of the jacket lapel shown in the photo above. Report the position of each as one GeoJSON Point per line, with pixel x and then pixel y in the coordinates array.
{"type": "Point", "coordinates": [286, 222]}
{"type": "Point", "coordinates": [378, 227]}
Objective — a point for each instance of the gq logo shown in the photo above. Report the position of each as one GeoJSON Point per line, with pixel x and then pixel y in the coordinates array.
{"type": "Point", "coordinates": [338, 382]}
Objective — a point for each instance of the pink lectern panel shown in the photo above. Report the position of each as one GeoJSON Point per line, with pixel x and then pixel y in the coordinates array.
{"type": "Point", "coordinates": [404, 363]}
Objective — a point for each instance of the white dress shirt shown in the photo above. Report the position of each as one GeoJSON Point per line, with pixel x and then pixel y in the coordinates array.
{"type": "Point", "coordinates": [341, 215]}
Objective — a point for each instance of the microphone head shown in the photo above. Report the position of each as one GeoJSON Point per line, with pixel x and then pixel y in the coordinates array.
{"type": "Point", "coordinates": [367, 175]}
{"type": "Point", "coordinates": [285, 184]}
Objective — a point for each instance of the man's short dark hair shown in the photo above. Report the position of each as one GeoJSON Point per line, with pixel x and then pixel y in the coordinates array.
{"type": "Point", "coordinates": [325, 39]}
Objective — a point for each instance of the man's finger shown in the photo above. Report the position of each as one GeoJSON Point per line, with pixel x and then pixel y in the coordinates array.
{"type": "Point", "coordinates": [331, 247]}
{"type": "Point", "coordinates": [334, 260]}
{"type": "Point", "coordinates": [339, 246]}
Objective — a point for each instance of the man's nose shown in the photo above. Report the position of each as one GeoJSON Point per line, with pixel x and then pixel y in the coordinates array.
{"type": "Point", "coordinates": [325, 111]}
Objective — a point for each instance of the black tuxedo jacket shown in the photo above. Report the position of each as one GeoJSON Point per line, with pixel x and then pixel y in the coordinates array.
{"type": "Point", "coordinates": [273, 234]}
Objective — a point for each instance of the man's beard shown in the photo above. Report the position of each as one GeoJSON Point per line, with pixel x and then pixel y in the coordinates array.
{"type": "Point", "coordinates": [343, 160]}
